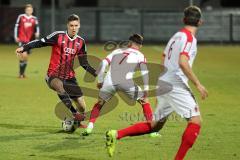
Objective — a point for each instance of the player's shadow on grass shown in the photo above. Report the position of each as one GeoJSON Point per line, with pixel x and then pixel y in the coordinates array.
{"type": "Point", "coordinates": [48, 129]}
{"type": "Point", "coordinates": [70, 143]}
{"type": "Point", "coordinates": [63, 157]}
{"type": "Point", "coordinates": [4, 76]}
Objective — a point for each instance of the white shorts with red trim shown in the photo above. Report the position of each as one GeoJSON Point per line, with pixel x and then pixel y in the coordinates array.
{"type": "Point", "coordinates": [180, 100]}
{"type": "Point", "coordinates": [131, 90]}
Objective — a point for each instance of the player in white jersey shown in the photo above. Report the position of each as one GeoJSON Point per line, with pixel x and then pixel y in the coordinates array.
{"type": "Point", "coordinates": [122, 64]}
{"type": "Point", "coordinates": [178, 58]}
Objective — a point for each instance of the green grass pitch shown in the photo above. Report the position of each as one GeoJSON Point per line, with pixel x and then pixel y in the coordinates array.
{"type": "Point", "coordinates": [29, 129]}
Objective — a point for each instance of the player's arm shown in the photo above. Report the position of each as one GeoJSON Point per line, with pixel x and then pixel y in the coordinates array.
{"type": "Point", "coordinates": [37, 29]}
{"type": "Point", "coordinates": [46, 41]}
{"type": "Point", "coordinates": [101, 70]}
{"type": "Point", "coordinates": [144, 73]}
{"type": "Point", "coordinates": [16, 29]}
{"type": "Point", "coordinates": [163, 58]}
{"type": "Point", "coordinates": [187, 70]}
{"type": "Point", "coordinates": [83, 61]}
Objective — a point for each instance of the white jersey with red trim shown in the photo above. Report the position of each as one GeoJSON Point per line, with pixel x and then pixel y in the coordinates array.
{"type": "Point", "coordinates": [123, 61]}
{"type": "Point", "coordinates": [183, 42]}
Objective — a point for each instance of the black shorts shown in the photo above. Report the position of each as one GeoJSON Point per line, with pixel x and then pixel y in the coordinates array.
{"type": "Point", "coordinates": [69, 85]}
{"type": "Point", "coordinates": [20, 44]}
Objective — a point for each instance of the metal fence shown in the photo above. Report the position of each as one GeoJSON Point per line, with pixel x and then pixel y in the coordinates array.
{"type": "Point", "coordinates": [101, 25]}
{"type": "Point", "coordinates": [106, 24]}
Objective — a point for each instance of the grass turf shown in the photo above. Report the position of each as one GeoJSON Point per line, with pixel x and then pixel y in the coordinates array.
{"type": "Point", "coordinates": [29, 128]}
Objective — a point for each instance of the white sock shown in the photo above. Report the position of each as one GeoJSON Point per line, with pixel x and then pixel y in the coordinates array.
{"type": "Point", "coordinates": [90, 125]}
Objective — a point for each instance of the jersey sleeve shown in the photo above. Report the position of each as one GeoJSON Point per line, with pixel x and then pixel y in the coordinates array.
{"type": "Point", "coordinates": [110, 56]}
{"type": "Point", "coordinates": [83, 61]}
{"type": "Point", "coordinates": [37, 30]}
{"type": "Point", "coordinates": [186, 44]}
{"type": "Point", "coordinates": [144, 71]}
{"type": "Point", "coordinates": [50, 40]}
{"type": "Point", "coordinates": [142, 59]}
{"type": "Point", "coordinates": [17, 27]}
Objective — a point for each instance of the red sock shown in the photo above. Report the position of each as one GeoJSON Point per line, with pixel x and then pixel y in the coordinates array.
{"type": "Point", "coordinates": [134, 130]}
{"type": "Point", "coordinates": [147, 110]}
{"type": "Point", "coordinates": [95, 112]}
{"type": "Point", "coordinates": [189, 136]}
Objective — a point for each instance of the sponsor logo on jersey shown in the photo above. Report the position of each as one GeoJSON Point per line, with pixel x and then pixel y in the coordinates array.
{"type": "Point", "coordinates": [69, 51]}
{"type": "Point", "coordinates": [27, 24]}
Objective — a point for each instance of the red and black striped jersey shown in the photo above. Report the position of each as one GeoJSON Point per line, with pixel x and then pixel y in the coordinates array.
{"type": "Point", "coordinates": [64, 51]}
{"type": "Point", "coordinates": [25, 28]}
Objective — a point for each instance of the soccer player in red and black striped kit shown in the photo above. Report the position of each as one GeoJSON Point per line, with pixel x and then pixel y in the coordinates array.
{"type": "Point", "coordinates": [66, 45]}
{"type": "Point", "coordinates": [26, 29]}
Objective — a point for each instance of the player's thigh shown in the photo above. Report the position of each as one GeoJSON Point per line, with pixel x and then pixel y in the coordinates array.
{"type": "Point", "coordinates": [163, 108]}
{"type": "Point", "coordinates": [106, 92]}
{"type": "Point", "coordinates": [80, 102]}
{"type": "Point", "coordinates": [133, 91]}
{"type": "Point", "coordinates": [56, 84]}
{"type": "Point", "coordinates": [184, 103]}
{"type": "Point", "coordinates": [23, 56]}
{"type": "Point", "coordinates": [73, 89]}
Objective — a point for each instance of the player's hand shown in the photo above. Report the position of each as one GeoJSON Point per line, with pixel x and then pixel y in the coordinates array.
{"type": "Point", "coordinates": [36, 35]}
{"type": "Point", "coordinates": [99, 85]}
{"type": "Point", "coordinates": [19, 51]}
{"type": "Point", "coordinates": [17, 40]}
{"type": "Point", "coordinates": [203, 91]}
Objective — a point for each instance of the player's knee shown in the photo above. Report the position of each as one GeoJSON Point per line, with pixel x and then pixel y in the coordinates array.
{"type": "Point", "coordinates": [24, 56]}
{"type": "Point", "coordinates": [157, 125]}
{"type": "Point", "coordinates": [100, 101]}
{"type": "Point", "coordinates": [196, 120]}
{"type": "Point", "coordinates": [142, 101]}
{"type": "Point", "coordinates": [59, 90]}
{"type": "Point", "coordinates": [80, 102]}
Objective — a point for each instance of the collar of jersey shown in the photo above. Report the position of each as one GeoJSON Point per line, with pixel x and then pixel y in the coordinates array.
{"type": "Point", "coordinates": [134, 48]}
{"type": "Point", "coordinates": [25, 15]}
{"type": "Point", "coordinates": [70, 37]}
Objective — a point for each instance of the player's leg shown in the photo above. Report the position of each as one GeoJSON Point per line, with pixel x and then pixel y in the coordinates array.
{"type": "Point", "coordinates": [23, 58]}
{"type": "Point", "coordinates": [147, 110]}
{"type": "Point", "coordinates": [185, 105]}
{"type": "Point", "coordinates": [135, 130]}
{"type": "Point", "coordinates": [161, 114]}
{"type": "Point", "coordinates": [93, 117]}
{"type": "Point", "coordinates": [135, 92]}
{"type": "Point", "coordinates": [163, 110]}
{"type": "Point", "coordinates": [75, 93]}
{"type": "Point", "coordinates": [96, 110]}
{"type": "Point", "coordinates": [80, 103]}
{"type": "Point", "coordinates": [189, 136]}
{"type": "Point", "coordinates": [105, 94]}
{"type": "Point", "coordinates": [57, 85]}
{"type": "Point", "coordinates": [81, 107]}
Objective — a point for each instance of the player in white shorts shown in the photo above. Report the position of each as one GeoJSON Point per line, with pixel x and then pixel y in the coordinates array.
{"type": "Point", "coordinates": [122, 63]}
{"type": "Point", "coordinates": [178, 58]}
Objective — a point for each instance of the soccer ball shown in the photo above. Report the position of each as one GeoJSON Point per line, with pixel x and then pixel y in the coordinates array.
{"type": "Point", "coordinates": [68, 125]}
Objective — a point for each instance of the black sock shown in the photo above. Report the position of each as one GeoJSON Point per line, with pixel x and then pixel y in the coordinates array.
{"type": "Point", "coordinates": [22, 66]}
{"type": "Point", "coordinates": [67, 101]}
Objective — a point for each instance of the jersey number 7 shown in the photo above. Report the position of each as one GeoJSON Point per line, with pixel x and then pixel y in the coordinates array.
{"type": "Point", "coordinates": [170, 50]}
{"type": "Point", "coordinates": [125, 56]}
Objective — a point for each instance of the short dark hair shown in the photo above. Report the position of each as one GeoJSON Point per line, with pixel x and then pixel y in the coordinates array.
{"type": "Point", "coordinates": [28, 5]}
{"type": "Point", "coordinates": [73, 17]}
{"type": "Point", "coordinates": [192, 15]}
{"type": "Point", "coordinates": [136, 38]}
